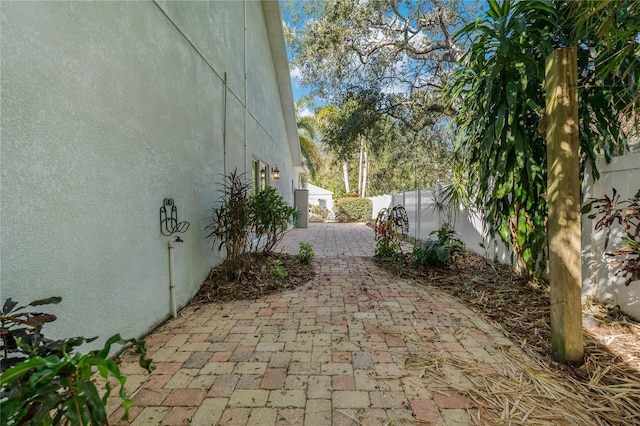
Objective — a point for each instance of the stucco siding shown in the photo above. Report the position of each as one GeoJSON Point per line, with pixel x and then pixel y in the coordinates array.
{"type": "Point", "coordinates": [108, 108]}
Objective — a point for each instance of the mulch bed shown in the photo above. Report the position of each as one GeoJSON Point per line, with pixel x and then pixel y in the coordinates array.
{"type": "Point", "coordinates": [256, 275]}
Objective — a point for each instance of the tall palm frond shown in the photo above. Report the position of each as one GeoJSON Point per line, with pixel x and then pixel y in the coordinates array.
{"type": "Point", "coordinates": [310, 154]}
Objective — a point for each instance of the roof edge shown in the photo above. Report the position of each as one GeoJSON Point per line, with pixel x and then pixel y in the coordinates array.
{"type": "Point", "coordinates": [273, 19]}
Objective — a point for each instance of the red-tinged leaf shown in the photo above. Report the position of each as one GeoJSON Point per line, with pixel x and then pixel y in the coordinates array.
{"type": "Point", "coordinates": [49, 301]}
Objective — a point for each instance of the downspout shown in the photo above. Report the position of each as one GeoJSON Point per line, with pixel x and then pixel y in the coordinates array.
{"type": "Point", "coordinates": [246, 113]}
{"type": "Point", "coordinates": [172, 292]}
{"type": "Point", "coordinates": [224, 127]}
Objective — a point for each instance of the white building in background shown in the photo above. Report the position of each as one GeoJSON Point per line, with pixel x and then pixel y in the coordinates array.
{"type": "Point", "coordinates": [320, 197]}
{"type": "Point", "coordinates": [108, 108]}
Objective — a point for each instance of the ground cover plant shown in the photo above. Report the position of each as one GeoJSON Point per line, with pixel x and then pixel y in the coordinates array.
{"type": "Point", "coordinates": [438, 251]}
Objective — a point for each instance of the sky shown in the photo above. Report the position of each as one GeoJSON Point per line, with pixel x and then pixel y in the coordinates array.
{"type": "Point", "coordinates": [299, 91]}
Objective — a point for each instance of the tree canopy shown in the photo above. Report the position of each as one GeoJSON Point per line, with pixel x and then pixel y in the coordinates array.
{"type": "Point", "coordinates": [499, 92]}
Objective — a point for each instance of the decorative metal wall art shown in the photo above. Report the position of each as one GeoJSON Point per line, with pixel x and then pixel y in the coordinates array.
{"type": "Point", "coordinates": [169, 219]}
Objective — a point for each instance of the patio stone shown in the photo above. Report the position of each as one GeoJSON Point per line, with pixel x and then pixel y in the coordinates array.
{"type": "Point", "coordinates": [331, 352]}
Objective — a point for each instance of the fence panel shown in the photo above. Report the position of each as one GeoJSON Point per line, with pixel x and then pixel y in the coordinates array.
{"type": "Point", "coordinates": [598, 280]}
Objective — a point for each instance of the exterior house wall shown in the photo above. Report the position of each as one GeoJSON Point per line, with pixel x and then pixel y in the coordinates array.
{"type": "Point", "coordinates": [107, 109]}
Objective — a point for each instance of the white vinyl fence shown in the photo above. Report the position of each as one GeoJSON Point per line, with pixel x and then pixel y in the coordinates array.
{"type": "Point", "coordinates": [424, 218]}
{"type": "Point", "coordinates": [599, 281]}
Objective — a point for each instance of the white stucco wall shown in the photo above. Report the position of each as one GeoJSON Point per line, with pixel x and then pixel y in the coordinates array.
{"type": "Point", "coordinates": [598, 280]}
{"type": "Point", "coordinates": [107, 109]}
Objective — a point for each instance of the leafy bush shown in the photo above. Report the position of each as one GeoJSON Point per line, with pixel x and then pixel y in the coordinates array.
{"type": "Point", "coordinates": [241, 216]}
{"type": "Point", "coordinates": [391, 226]}
{"type": "Point", "coordinates": [277, 270]}
{"type": "Point", "coordinates": [355, 209]}
{"type": "Point", "coordinates": [305, 254]}
{"type": "Point", "coordinates": [42, 382]}
{"type": "Point", "coordinates": [317, 213]}
{"type": "Point", "coordinates": [438, 251]}
{"type": "Point", "coordinates": [270, 217]}
{"type": "Point", "coordinates": [230, 222]}
{"type": "Point", "coordinates": [627, 215]}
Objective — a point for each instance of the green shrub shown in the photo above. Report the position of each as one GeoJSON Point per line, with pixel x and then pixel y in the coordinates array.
{"type": "Point", "coordinates": [438, 251]}
{"type": "Point", "coordinates": [44, 383]}
{"type": "Point", "coordinates": [317, 213]}
{"type": "Point", "coordinates": [243, 218]}
{"type": "Point", "coordinates": [355, 209]}
{"type": "Point", "coordinates": [305, 255]}
{"type": "Point", "coordinates": [230, 222]}
{"type": "Point", "coordinates": [270, 217]}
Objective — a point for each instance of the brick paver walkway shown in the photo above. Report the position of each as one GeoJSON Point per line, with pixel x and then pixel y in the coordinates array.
{"type": "Point", "coordinates": [332, 352]}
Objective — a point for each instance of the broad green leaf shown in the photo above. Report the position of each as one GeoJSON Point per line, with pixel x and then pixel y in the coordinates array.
{"type": "Point", "coordinates": [15, 372]}
{"type": "Point", "coordinates": [495, 9]}
{"type": "Point", "coordinates": [93, 402]}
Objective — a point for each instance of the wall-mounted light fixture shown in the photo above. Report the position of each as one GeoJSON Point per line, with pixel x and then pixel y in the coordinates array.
{"type": "Point", "coordinates": [263, 173]}
{"type": "Point", "coordinates": [275, 173]}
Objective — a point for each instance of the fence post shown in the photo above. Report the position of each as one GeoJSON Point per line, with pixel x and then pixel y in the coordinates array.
{"type": "Point", "coordinates": [563, 195]}
{"type": "Point", "coordinates": [418, 214]}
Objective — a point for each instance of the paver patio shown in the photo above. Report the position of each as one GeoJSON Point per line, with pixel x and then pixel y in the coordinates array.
{"type": "Point", "coordinates": [332, 352]}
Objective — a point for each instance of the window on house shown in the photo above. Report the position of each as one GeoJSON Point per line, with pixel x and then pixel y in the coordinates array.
{"type": "Point", "coordinates": [259, 174]}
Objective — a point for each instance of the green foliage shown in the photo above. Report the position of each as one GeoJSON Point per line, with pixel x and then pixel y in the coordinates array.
{"type": "Point", "coordinates": [388, 251]}
{"type": "Point", "coordinates": [270, 217]}
{"type": "Point", "coordinates": [277, 270]}
{"type": "Point", "coordinates": [437, 251]}
{"type": "Point", "coordinates": [356, 117]}
{"type": "Point", "coordinates": [42, 382]}
{"type": "Point", "coordinates": [392, 226]}
{"type": "Point", "coordinates": [305, 254]}
{"type": "Point", "coordinates": [355, 209]}
{"type": "Point", "coordinates": [308, 132]}
{"type": "Point", "coordinates": [230, 222]}
{"type": "Point", "coordinates": [338, 44]}
{"type": "Point", "coordinates": [317, 213]}
{"type": "Point", "coordinates": [245, 222]}
{"type": "Point", "coordinates": [502, 154]}
{"type": "Point", "coordinates": [610, 210]}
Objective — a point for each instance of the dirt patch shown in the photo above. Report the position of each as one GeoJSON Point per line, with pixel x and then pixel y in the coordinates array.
{"type": "Point", "coordinates": [257, 275]}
